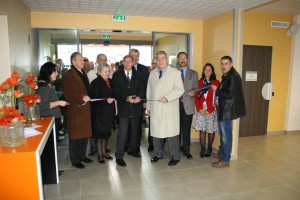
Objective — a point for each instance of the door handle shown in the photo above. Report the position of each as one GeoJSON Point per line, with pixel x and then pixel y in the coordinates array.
{"type": "Point", "coordinates": [266, 91]}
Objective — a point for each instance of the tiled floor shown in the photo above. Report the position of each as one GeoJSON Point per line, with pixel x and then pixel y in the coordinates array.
{"type": "Point", "coordinates": [268, 167]}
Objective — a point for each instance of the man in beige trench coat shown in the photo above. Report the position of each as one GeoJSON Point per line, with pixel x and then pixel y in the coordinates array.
{"type": "Point", "coordinates": [163, 91]}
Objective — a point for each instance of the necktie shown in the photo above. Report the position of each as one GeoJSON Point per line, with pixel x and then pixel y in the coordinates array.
{"type": "Point", "coordinates": [182, 78]}
{"type": "Point", "coordinates": [160, 74]}
{"type": "Point", "coordinates": [128, 78]}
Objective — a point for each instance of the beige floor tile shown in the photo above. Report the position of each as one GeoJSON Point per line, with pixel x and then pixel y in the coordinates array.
{"type": "Point", "coordinates": [130, 169]}
{"type": "Point", "coordinates": [175, 192]}
{"type": "Point", "coordinates": [66, 189]}
{"type": "Point", "coordinates": [113, 196]}
{"type": "Point", "coordinates": [130, 183]}
{"type": "Point", "coordinates": [192, 175]}
{"type": "Point", "coordinates": [288, 175]}
{"type": "Point", "coordinates": [95, 172]}
{"type": "Point", "coordinates": [161, 179]}
{"type": "Point", "coordinates": [251, 195]}
{"type": "Point", "coordinates": [281, 193]}
{"type": "Point", "coordinates": [70, 174]}
{"type": "Point", "coordinates": [205, 189]}
{"type": "Point", "coordinates": [235, 185]}
{"type": "Point", "coordinates": [96, 186]}
{"type": "Point", "coordinates": [154, 167]}
{"type": "Point", "coordinates": [262, 180]}
{"type": "Point", "coordinates": [145, 194]}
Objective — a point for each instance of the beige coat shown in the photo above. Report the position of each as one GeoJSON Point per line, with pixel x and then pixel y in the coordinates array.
{"type": "Point", "coordinates": [164, 116]}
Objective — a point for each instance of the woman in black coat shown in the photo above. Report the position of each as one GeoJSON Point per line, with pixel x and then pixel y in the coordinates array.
{"type": "Point", "coordinates": [102, 110]}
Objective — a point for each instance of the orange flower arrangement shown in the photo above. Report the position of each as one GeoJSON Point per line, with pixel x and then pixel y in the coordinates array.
{"type": "Point", "coordinates": [8, 95]}
{"type": "Point", "coordinates": [10, 115]}
{"type": "Point", "coordinates": [31, 99]}
{"type": "Point", "coordinates": [8, 92]}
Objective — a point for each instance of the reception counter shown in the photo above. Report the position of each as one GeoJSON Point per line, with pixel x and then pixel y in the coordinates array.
{"type": "Point", "coordinates": [26, 168]}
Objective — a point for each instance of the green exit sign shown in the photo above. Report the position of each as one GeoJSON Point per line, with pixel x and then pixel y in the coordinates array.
{"type": "Point", "coordinates": [106, 37]}
{"type": "Point", "coordinates": [119, 18]}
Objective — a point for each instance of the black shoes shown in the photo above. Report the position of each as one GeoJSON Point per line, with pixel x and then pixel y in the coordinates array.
{"type": "Point", "coordinates": [92, 153]}
{"type": "Point", "coordinates": [189, 156]}
{"type": "Point", "coordinates": [150, 148]}
{"type": "Point", "coordinates": [202, 153]}
{"type": "Point", "coordinates": [87, 160]}
{"type": "Point", "coordinates": [208, 152]}
{"type": "Point", "coordinates": [79, 165]}
{"type": "Point", "coordinates": [136, 155]}
{"type": "Point", "coordinates": [155, 159]}
{"type": "Point", "coordinates": [173, 162]}
{"type": "Point", "coordinates": [101, 161]}
{"type": "Point", "coordinates": [108, 157]}
{"type": "Point", "coordinates": [121, 162]}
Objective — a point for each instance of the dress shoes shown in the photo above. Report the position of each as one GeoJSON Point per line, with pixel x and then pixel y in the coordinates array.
{"type": "Point", "coordinates": [136, 155]}
{"type": "Point", "coordinates": [79, 165]}
{"type": "Point", "coordinates": [216, 156]}
{"type": "Point", "coordinates": [92, 153]}
{"type": "Point", "coordinates": [202, 153]}
{"type": "Point", "coordinates": [150, 148]}
{"type": "Point", "coordinates": [121, 162]}
{"type": "Point", "coordinates": [101, 161]}
{"type": "Point", "coordinates": [155, 159]}
{"type": "Point", "coordinates": [220, 164]}
{"type": "Point", "coordinates": [173, 162]}
{"type": "Point", "coordinates": [208, 152]}
{"type": "Point", "coordinates": [108, 157]}
{"type": "Point", "coordinates": [189, 156]}
{"type": "Point", "coordinates": [87, 160]}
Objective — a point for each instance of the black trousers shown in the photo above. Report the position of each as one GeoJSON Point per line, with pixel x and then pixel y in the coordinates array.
{"type": "Point", "coordinates": [185, 129]}
{"type": "Point", "coordinates": [133, 146]}
{"type": "Point", "coordinates": [150, 138]}
{"type": "Point", "coordinates": [77, 149]}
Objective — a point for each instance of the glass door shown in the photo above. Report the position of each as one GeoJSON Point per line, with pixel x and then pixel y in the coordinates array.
{"type": "Point", "coordinates": [172, 44]}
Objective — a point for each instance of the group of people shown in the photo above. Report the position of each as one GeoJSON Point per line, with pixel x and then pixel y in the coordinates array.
{"type": "Point", "coordinates": [170, 96]}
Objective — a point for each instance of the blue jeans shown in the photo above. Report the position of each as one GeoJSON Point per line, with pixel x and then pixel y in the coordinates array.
{"type": "Point", "coordinates": [225, 127]}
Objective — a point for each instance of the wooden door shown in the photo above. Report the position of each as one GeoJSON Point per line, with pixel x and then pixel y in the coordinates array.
{"type": "Point", "coordinates": [256, 61]}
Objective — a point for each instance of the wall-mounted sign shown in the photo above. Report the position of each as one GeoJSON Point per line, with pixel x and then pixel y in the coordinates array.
{"type": "Point", "coordinates": [251, 76]}
{"type": "Point", "coordinates": [119, 18]}
{"type": "Point", "coordinates": [106, 37]}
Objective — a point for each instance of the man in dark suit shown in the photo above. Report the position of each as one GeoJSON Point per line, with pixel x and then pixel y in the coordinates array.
{"type": "Point", "coordinates": [129, 89]}
{"type": "Point", "coordinates": [187, 102]}
{"type": "Point", "coordinates": [144, 72]}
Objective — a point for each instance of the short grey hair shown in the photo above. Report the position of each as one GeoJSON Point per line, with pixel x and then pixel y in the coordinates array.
{"type": "Point", "coordinates": [101, 66]}
{"type": "Point", "coordinates": [161, 52]}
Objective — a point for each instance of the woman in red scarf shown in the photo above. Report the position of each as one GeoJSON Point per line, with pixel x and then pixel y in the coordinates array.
{"type": "Point", "coordinates": [205, 118]}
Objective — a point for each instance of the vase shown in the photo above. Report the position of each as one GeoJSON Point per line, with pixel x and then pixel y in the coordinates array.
{"type": "Point", "coordinates": [12, 135]}
{"type": "Point", "coordinates": [32, 113]}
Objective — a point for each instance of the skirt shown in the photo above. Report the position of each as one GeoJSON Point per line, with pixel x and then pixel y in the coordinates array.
{"type": "Point", "coordinates": [205, 123]}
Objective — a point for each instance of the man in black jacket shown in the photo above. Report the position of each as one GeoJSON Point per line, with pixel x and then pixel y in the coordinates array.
{"type": "Point", "coordinates": [231, 106]}
{"type": "Point", "coordinates": [129, 89]}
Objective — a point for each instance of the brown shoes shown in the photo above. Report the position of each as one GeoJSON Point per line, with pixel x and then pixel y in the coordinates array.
{"type": "Point", "coordinates": [216, 155]}
{"type": "Point", "coordinates": [220, 164]}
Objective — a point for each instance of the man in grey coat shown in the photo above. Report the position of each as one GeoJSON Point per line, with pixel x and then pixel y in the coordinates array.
{"type": "Point", "coordinates": [187, 102]}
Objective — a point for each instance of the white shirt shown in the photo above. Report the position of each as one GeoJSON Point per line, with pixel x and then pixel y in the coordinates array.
{"type": "Point", "coordinates": [129, 73]}
{"type": "Point", "coordinates": [92, 74]}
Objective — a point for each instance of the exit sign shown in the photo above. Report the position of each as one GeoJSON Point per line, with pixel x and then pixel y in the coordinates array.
{"type": "Point", "coordinates": [119, 18]}
{"type": "Point", "coordinates": [106, 37]}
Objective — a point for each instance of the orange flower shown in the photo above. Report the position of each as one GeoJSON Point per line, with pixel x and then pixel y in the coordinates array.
{"type": "Point", "coordinates": [15, 75]}
{"type": "Point", "coordinates": [7, 114]}
{"type": "Point", "coordinates": [32, 86]}
{"type": "Point", "coordinates": [13, 81]}
{"type": "Point", "coordinates": [17, 93]}
{"type": "Point", "coordinates": [30, 79]}
{"type": "Point", "coordinates": [31, 99]}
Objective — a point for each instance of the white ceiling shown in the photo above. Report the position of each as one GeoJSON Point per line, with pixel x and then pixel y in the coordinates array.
{"type": "Point", "coordinates": [182, 9]}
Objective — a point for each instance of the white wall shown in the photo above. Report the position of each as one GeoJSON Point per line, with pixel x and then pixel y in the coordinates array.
{"type": "Point", "coordinates": [4, 55]}
{"type": "Point", "coordinates": [293, 105]}
{"type": "Point", "coordinates": [20, 36]}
